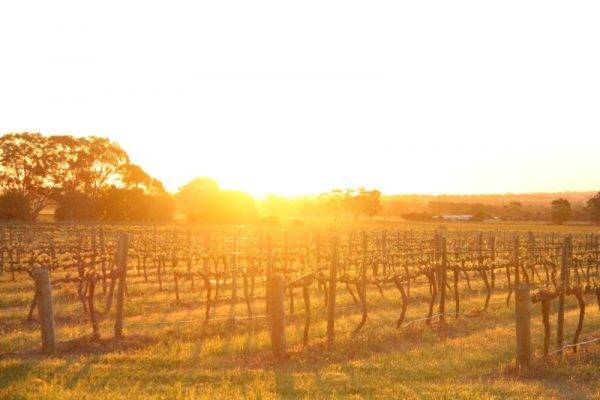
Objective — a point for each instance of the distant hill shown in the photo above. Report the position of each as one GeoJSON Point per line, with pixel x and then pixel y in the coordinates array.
{"type": "Point", "coordinates": [532, 199]}
{"type": "Point", "coordinates": [533, 206]}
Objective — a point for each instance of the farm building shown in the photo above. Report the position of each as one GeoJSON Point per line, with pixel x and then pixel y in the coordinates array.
{"type": "Point", "coordinates": [457, 217]}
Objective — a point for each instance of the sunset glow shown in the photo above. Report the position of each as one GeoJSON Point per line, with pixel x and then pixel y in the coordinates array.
{"type": "Point", "coordinates": [319, 199]}
{"type": "Point", "coordinates": [398, 96]}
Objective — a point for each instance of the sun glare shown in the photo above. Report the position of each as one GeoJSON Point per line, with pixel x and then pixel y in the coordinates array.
{"type": "Point", "coordinates": [316, 199]}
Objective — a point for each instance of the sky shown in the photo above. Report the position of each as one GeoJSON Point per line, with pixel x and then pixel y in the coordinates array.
{"type": "Point", "coordinates": [302, 97]}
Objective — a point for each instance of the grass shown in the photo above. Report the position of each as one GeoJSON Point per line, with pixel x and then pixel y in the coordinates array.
{"type": "Point", "coordinates": [470, 357]}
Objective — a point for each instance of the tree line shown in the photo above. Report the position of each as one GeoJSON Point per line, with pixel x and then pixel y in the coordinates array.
{"type": "Point", "coordinates": [93, 179]}
{"type": "Point", "coordinates": [561, 211]}
{"type": "Point", "coordinates": [337, 204]}
{"type": "Point", "coordinates": [558, 211]}
{"type": "Point", "coordinates": [201, 200]}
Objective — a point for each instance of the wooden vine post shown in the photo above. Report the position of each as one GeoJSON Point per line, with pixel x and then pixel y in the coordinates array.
{"type": "Point", "coordinates": [564, 282]}
{"type": "Point", "coordinates": [492, 246]}
{"type": "Point", "coordinates": [483, 272]}
{"type": "Point", "coordinates": [546, 322]}
{"type": "Point", "coordinates": [442, 275]}
{"type": "Point", "coordinates": [332, 292]}
{"type": "Point", "coordinates": [516, 260]}
{"type": "Point", "coordinates": [362, 287]}
{"type": "Point", "coordinates": [233, 263]}
{"type": "Point", "coordinates": [523, 319]}
{"type": "Point", "coordinates": [2, 250]}
{"type": "Point", "coordinates": [361, 283]}
{"type": "Point", "coordinates": [275, 308]}
{"type": "Point", "coordinates": [269, 272]}
{"type": "Point", "coordinates": [531, 254]}
{"type": "Point", "coordinates": [384, 251]}
{"type": "Point", "coordinates": [277, 314]}
{"type": "Point", "coordinates": [596, 239]}
{"type": "Point", "coordinates": [46, 312]}
{"type": "Point", "coordinates": [121, 270]}
{"type": "Point", "coordinates": [103, 261]}
{"type": "Point", "coordinates": [522, 312]}
{"type": "Point", "coordinates": [306, 296]}
{"type": "Point", "coordinates": [515, 263]}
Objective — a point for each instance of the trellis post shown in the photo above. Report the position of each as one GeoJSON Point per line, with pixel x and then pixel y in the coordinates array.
{"type": "Point", "coordinates": [277, 314]}
{"type": "Point", "coordinates": [269, 272]}
{"type": "Point", "coordinates": [564, 282]}
{"type": "Point", "coordinates": [523, 322]}
{"type": "Point", "coordinates": [121, 262]}
{"type": "Point", "coordinates": [46, 312]}
{"type": "Point", "coordinates": [442, 275]}
{"type": "Point", "coordinates": [332, 292]}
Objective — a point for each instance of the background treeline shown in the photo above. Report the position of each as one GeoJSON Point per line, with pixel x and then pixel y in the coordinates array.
{"type": "Point", "coordinates": [201, 200]}
{"type": "Point", "coordinates": [555, 207]}
{"type": "Point", "coordinates": [338, 205]}
{"type": "Point", "coordinates": [347, 204]}
{"type": "Point", "coordinates": [84, 178]}
{"type": "Point", "coordinates": [92, 179]}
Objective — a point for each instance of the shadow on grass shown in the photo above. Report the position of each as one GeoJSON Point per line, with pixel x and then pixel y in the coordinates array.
{"type": "Point", "coordinates": [82, 373]}
{"type": "Point", "coordinates": [284, 385]}
{"type": "Point", "coordinates": [86, 346]}
{"type": "Point", "coordinates": [586, 362]}
{"type": "Point", "coordinates": [348, 348]}
{"type": "Point", "coordinates": [16, 372]}
{"type": "Point", "coordinates": [365, 344]}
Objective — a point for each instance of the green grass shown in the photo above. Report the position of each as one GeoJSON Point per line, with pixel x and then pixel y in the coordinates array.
{"type": "Point", "coordinates": [471, 357]}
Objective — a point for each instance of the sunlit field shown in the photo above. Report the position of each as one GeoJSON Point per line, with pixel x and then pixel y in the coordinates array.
{"type": "Point", "coordinates": [299, 200]}
{"type": "Point", "coordinates": [169, 352]}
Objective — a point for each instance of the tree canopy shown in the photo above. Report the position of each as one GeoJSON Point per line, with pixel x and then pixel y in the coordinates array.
{"type": "Point", "coordinates": [86, 177]}
{"type": "Point", "coordinates": [593, 206]}
{"type": "Point", "coordinates": [356, 202]}
{"type": "Point", "coordinates": [560, 211]}
{"type": "Point", "coordinates": [201, 200]}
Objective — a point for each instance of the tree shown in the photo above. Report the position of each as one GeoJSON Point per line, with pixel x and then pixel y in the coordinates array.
{"type": "Point", "coordinates": [235, 207]}
{"type": "Point", "coordinates": [32, 167]}
{"type": "Point", "coordinates": [308, 207]}
{"type": "Point", "coordinates": [201, 200]}
{"type": "Point", "coordinates": [101, 184]}
{"type": "Point", "coordinates": [94, 164]}
{"type": "Point", "coordinates": [82, 175]}
{"type": "Point", "coordinates": [276, 205]}
{"type": "Point", "coordinates": [116, 204]}
{"type": "Point", "coordinates": [366, 202]}
{"type": "Point", "coordinates": [134, 177]}
{"type": "Point", "coordinates": [514, 211]}
{"type": "Point", "coordinates": [76, 206]}
{"type": "Point", "coordinates": [396, 208]}
{"type": "Point", "coordinates": [478, 212]}
{"type": "Point", "coordinates": [13, 206]}
{"type": "Point", "coordinates": [161, 207]}
{"type": "Point", "coordinates": [198, 199]}
{"type": "Point", "coordinates": [560, 211]}
{"type": "Point", "coordinates": [593, 206]}
{"type": "Point", "coordinates": [333, 202]}
{"type": "Point", "coordinates": [355, 201]}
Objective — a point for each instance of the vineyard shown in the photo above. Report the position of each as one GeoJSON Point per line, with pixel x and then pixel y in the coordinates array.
{"type": "Point", "coordinates": [293, 293]}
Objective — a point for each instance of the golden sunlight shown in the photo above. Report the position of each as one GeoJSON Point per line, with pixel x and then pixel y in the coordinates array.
{"type": "Point", "coordinates": [317, 199]}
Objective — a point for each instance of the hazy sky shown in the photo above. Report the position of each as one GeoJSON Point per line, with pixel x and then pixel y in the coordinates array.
{"type": "Point", "coordinates": [300, 97]}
